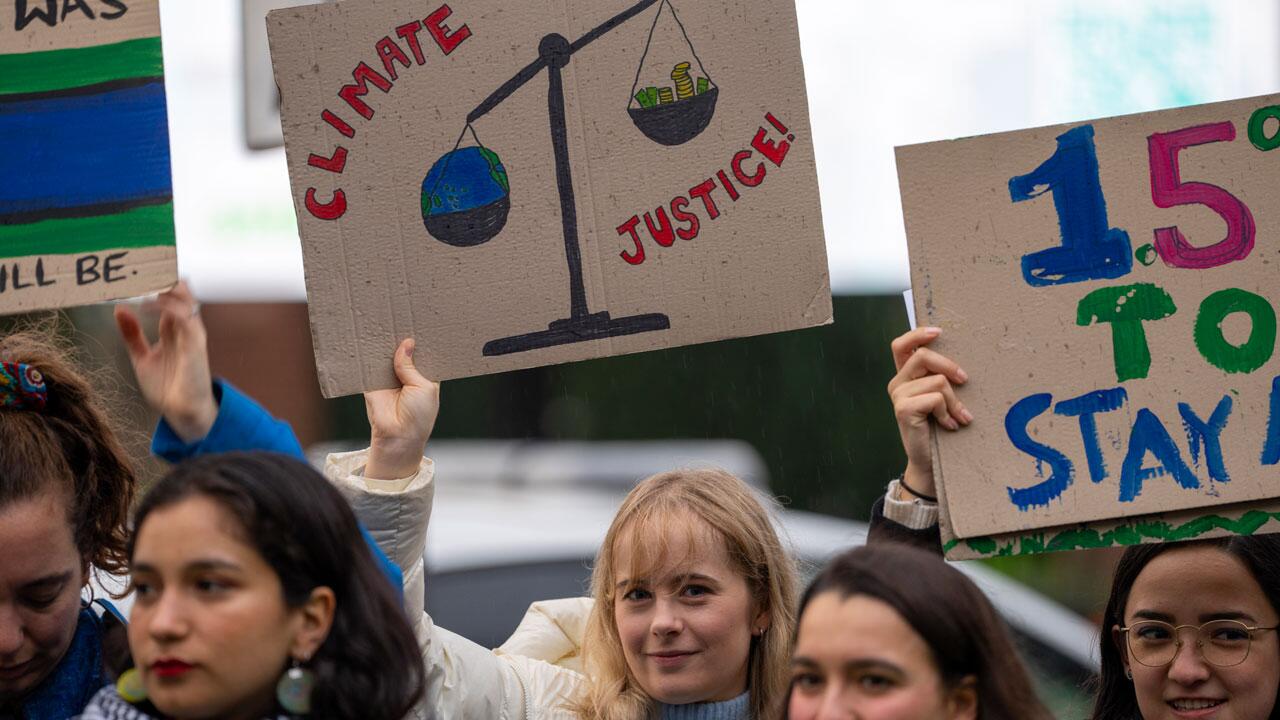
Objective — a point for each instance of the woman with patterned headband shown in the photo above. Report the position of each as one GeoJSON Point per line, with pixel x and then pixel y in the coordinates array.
{"type": "Point", "coordinates": [66, 485]}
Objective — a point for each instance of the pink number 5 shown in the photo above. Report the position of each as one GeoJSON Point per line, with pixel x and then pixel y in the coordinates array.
{"type": "Point", "coordinates": [1168, 190]}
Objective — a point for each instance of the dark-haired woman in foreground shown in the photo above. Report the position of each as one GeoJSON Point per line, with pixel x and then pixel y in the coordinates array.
{"type": "Point", "coordinates": [256, 597]}
{"type": "Point", "coordinates": [1189, 630]}
{"type": "Point", "coordinates": [891, 632]}
{"type": "Point", "coordinates": [66, 487]}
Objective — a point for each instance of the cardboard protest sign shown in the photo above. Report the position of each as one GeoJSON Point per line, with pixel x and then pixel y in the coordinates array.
{"type": "Point", "coordinates": [521, 184]}
{"type": "Point", "coordinates": [86, 198]}
{"type": "Point", "coordinates": [1109, 284]}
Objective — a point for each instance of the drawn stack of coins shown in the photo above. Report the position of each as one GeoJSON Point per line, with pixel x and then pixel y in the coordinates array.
{"type": "Point", "coordinates": [664, 95]}
{"type": "Point", "coordinates": [684, 83]}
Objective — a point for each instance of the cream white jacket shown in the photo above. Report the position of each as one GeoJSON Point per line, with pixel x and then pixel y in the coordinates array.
{"type": "Point", "coordinates": [530, 677]}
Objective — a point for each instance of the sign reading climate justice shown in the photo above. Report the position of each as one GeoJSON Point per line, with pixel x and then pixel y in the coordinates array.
{"type": "Point", "coordinates": [522, 184]}
{"type": "Point", "coordinates": [86, 199]}
{"type": "Point", "coordinates": [1110, 286]}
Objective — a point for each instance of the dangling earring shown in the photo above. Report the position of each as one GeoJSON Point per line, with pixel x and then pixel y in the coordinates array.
{"type": "Point", "coordinates": [293, 692]}
{"type": "Point", "coordinates": [1128, 673]}
{"type": "Point", "coordinates": [130, 688]}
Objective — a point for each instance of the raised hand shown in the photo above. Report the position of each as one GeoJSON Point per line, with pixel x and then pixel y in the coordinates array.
{"type": "Point", "coordinates": [401, 420]}
{"type": "Point", "coordinates": [173, 374]}
{"type": "Point", "coordinates": [924, 389]}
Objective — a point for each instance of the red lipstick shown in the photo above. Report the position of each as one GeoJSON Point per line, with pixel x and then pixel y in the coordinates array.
{"type": "Point", "coordinates": [169, 667]}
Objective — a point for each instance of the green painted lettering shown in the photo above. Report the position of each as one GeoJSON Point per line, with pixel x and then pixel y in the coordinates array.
{"type": "Point", "coordinates": [1258, 131]}
{"type": "Point", "coordinates": [1256, 351]}
{"type": "Point", "coordinates": [1126, 307]}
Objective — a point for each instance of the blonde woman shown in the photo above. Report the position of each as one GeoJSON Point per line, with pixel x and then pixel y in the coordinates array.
{"type": "Point", "coordinates": [693, 599]}
{"type": "Point", "coordinates": [692, 593]}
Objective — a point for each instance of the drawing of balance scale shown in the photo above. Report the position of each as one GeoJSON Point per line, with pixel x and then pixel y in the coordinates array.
{"type": "Point", "coordinates": [666, 118]}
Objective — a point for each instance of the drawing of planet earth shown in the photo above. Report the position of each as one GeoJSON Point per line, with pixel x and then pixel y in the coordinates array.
{"type": "Point", "coordinates": [466, 197]}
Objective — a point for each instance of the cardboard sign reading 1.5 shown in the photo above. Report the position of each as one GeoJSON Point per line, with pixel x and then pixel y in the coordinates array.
{"type": "Point", "coordinates": [1111, 286]}
{"type": "Point", "coordinates": [522, 184]}
{"type": "Point", "coordinates": [86, 199]}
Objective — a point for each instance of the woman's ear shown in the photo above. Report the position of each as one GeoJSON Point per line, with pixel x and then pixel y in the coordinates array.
{"type": "Point", "coordinates": [1117, 638]}
{"type": "Point", "coordinates": [316, 618]}
{"type": "Point", "coordinates": [761, 622]}
{"type": "Point", "coordinates": [962, 701]}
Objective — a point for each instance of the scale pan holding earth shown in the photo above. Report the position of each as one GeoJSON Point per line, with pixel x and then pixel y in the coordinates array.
{"type": "Point", "coordinates": [466, 197]}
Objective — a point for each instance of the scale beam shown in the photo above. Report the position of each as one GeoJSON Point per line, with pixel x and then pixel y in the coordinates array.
{"type": "Point", "coordinates": [611, 23]}
{"type": "Point", "coordinates": [502, 93]}
{"type": "Point", "coordinates": [532, 69]}
{"type": "Point", "coordinates": [554, 53]}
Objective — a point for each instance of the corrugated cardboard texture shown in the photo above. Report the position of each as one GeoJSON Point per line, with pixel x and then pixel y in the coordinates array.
{"type": "Point", "coordinates": [86, 198]}
{"type": "Point", "coordinates": [75, 24]}
{"type": "Point", "coordinates": [376, 275]}
{"type": "Point", "coordinates": [967, 240]}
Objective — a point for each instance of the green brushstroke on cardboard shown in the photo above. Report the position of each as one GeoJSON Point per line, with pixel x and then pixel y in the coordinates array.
{"type": "Point", "coordinates": [1131, 534]}
{"type": "Point", "coordinates": [146, 226]}
{"type": "Point", "coordinates": [50, 70]}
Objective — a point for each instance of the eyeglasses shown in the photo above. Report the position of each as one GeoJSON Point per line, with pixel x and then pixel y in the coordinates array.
{"type": "Point", "coordinates": [1223, 643]}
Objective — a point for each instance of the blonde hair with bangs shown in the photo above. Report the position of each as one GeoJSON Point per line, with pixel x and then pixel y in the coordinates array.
{"type": "Point", "coordinates": [735, 515]}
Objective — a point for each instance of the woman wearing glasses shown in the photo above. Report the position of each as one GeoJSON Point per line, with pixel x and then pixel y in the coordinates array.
{"type": "Point", "coordinates": [1190, 628]}
{"type": "Point", "coordinates": [1193, 632]}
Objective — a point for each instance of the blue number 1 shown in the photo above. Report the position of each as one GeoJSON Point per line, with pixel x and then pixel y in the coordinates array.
{"type": "Point", "coordinates": [1090, 250]}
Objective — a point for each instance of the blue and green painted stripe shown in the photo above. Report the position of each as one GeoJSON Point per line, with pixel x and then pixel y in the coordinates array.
{"type": "Point", "coordinates": [86, 132]}
{"type": "Point", "coordinates": [74, 153]}
{"type": "Point", "coordinates": [32, 75]}
{"type": "Point", "coordinates": [146, 226]}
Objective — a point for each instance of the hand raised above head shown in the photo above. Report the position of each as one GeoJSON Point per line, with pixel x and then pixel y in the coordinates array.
{"type": "Point", "coordinates": [173, 374]}
{"type": "Point", "coordinates": [922, 389]}
{"type": "Point", "coordinates": [401, 419]}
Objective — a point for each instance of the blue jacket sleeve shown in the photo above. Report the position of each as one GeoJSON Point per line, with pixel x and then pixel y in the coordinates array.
{"type": "Point", "coordinates": [243, 424]}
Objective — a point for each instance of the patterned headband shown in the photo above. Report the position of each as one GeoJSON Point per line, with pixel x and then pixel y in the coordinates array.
{"type": "Point", "coordinates": [22, 387]}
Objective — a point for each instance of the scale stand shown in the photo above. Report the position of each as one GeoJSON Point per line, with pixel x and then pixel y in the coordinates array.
{"type": "Point", "coordinates": [554, 52]}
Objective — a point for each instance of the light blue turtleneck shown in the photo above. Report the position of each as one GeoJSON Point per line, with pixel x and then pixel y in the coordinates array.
{"type": "Point", "coordinates": [736, 709]}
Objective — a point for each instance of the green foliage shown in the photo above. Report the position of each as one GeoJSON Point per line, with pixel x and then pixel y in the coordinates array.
{"type": "Point", "coordinates": [812, 402]}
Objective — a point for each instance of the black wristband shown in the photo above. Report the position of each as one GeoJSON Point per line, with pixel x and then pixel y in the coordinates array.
{"type": "Point", "coordinates": [902, 481]}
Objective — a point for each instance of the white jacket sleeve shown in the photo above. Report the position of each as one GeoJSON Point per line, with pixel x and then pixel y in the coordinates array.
{"type": "Point", "coordinates": [552, 630]}
{"type": "Point", "coordinates": [464, 680]}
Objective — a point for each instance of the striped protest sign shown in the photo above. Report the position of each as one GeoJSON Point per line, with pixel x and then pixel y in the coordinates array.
{"type": "Point", "coordinates": [86, 195]}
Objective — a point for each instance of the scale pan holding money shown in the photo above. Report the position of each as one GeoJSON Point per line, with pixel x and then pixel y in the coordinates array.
{"type": "Point", "coordinates": [673, 117]}
{"type": "Point", "coordinates": [678, 122]}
